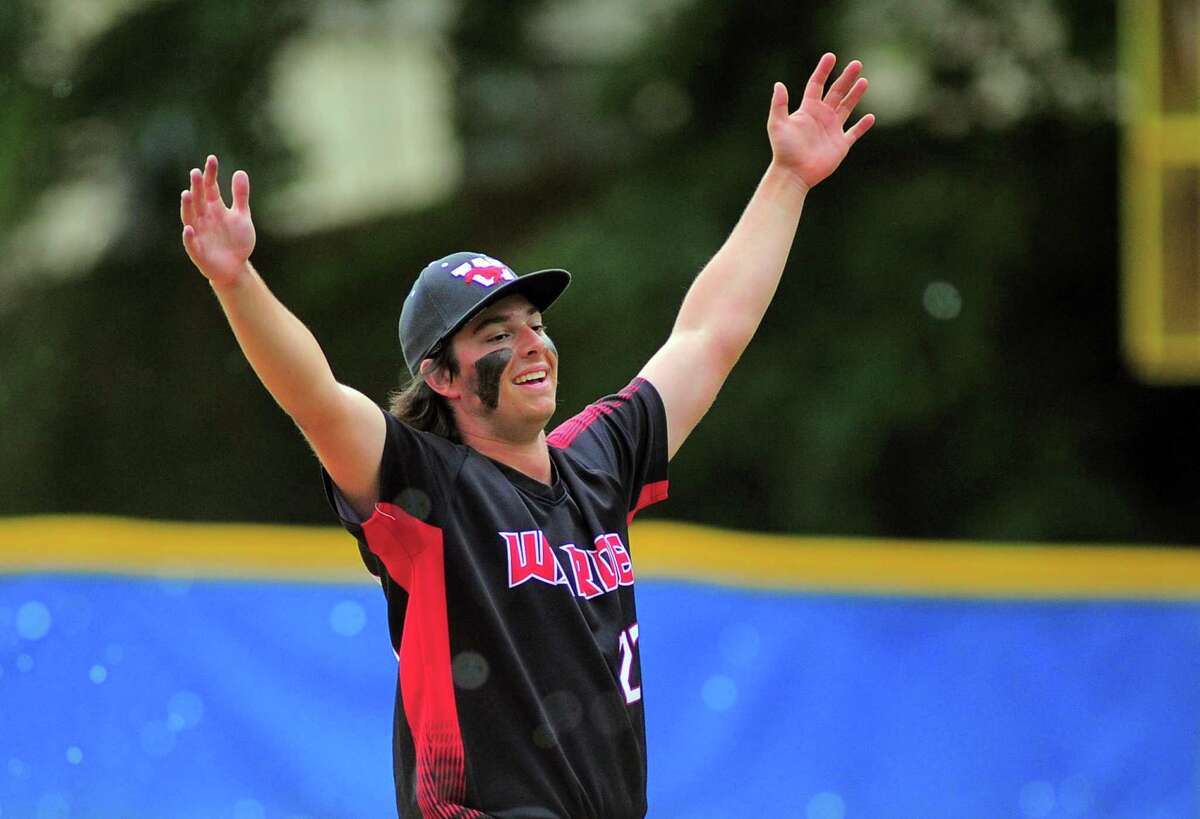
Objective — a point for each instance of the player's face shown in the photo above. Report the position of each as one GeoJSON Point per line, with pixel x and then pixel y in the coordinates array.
{"type": "Point", "coordinates": [509, 365]}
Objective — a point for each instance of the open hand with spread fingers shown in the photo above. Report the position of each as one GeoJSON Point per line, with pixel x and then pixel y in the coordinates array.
{"type": "Point", "coordinates": [811, 142]}
{"type": "Point", "coordinates": [218, 239]}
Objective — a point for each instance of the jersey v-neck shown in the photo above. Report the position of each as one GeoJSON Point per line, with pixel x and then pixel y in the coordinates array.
{"type": "Point", "coordinates": [554, 493]}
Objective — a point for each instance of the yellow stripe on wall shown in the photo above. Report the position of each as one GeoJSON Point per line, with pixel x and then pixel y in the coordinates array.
{"type": "Point", "coordinates": [923, 568]}
{"type": "Point", "coordinates": [111, 545]}
{"type": "Point", "coordinates": [108, 545]}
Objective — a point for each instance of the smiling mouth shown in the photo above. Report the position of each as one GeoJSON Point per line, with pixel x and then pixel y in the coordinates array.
{"type": "Point", "coordinates": [535, 377]}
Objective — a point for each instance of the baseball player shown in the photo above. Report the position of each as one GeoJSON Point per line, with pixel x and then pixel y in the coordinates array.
{"type": "Point", "coordinates": [503, 551]}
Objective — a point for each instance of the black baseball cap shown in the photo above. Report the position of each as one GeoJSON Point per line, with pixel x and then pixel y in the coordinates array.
{"type": "Point", "coordinates": [453, 288]}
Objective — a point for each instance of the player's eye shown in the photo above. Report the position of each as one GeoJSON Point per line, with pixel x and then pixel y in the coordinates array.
{"type": "Point", "coordinates": [540, 329]}
{"type": "Point", "coordinates": [498, 337]}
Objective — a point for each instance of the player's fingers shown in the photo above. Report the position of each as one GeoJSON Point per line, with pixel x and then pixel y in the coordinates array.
{"type": "Point", "coordinates": [210, 176]}
{"type": "Point", "coordinates": [241, 191]}
{"type": "Point", "coordinates": [779, 102]}
{"type": "Point", "coordinates": [190, 243]}
{"type": "Point", "coordinates": [196, 189]}
{"type": "Point", "coordinates": [843, 84]}
{"type": "Point", "coordinates": [816, 83]}
{"type": "Point", "coordinates": [187, 211]}
{"type": "Point", "coordinates": [860, 127]}
{"type": "Point", "coordinates": [212, 186]}
{"type": "Point", "coordinates": [846, 106]}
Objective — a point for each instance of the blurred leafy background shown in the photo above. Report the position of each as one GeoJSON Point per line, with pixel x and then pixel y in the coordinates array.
{"type": "Point", "coordinates": [942, 359]}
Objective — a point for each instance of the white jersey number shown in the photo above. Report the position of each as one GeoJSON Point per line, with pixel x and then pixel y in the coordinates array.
{"type": "Point", "coordinates": [629, 639]}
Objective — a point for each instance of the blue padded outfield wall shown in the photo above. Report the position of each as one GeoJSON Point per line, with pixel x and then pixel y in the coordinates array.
{"type": "Point", "coordinates": [142, 696]}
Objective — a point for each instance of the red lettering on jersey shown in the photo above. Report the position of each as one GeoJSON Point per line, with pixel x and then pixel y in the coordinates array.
{"type": "Point", "coordinates": [530, 558]}
{"type": "Point", "coordinates": [582, 568]}
{"type": "Point", "coordinates": [610, 546]}
{"type": "Point", "coordinates": [606, 565]}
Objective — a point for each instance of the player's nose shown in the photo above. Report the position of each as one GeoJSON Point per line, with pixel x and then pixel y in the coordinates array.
{"type": "Point", "coordinates": [530, 342]}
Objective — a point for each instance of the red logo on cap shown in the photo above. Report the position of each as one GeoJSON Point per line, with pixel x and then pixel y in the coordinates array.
{"type": "Point", "coordinates": [483, 271]}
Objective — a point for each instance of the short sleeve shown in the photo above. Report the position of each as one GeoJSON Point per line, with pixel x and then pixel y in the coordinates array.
{"type": "Point", "coordinates": [624, 435]}
{"type": "Point", "coordinates": [412, 472]}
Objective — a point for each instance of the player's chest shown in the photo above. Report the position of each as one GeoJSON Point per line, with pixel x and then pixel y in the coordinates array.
{"type": "Point", "coordinates": [574, 543]}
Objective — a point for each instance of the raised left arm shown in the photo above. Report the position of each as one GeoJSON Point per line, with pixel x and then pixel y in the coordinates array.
{"type": "Point", "coordinates": [729, 297]}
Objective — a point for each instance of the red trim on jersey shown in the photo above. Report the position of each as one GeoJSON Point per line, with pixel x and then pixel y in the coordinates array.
{"type": "Point", "coordinates": [651, 493]}
{"type": "Point", "coordinates": [566, 432]}
{"type": "Point", "coordinates": [412, 552]}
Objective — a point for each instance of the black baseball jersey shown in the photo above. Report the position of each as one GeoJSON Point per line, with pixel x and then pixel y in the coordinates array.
{"type": "Point", "coordinates": [511, 610]}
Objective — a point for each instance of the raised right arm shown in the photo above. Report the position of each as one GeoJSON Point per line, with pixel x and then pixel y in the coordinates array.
{"type": "Point", "coordinates": [344, 427]}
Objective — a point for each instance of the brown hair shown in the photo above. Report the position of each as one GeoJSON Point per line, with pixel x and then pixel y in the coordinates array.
{"type": "Point", "coordinates": [417, 405]}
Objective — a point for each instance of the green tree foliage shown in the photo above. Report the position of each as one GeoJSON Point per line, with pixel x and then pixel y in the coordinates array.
{"type": "Point", "coordinates": [941, 359]}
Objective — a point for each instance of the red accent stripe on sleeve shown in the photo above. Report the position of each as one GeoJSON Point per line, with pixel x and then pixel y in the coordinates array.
{"type": "Point", "coordinates": [566, 432]}
{"type": "Point", "coordinates": [412, 551]}
{"type": "Point", "coordinates": [651, 493]}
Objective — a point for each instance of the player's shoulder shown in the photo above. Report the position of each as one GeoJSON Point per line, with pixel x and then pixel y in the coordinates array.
{"type": "Point", "coordinates": [431, 451]}
{"type": "Point", "coordinates": [639, 397]}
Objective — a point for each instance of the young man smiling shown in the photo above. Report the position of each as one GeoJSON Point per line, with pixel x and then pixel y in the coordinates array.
{"type": "Point", "coordinates": [509, 375]}
{"type": "Point", "coordinates": [503, 551]}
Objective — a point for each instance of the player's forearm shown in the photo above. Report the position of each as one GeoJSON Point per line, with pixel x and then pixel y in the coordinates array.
{"type": "Point", "coordinates": [282, 351]}
{"type": "Point", "coordinates": [731, 294]}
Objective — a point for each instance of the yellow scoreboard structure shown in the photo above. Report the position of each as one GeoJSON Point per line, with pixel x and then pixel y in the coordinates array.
{"type": "Point", "coordinates": [1160, 190]}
